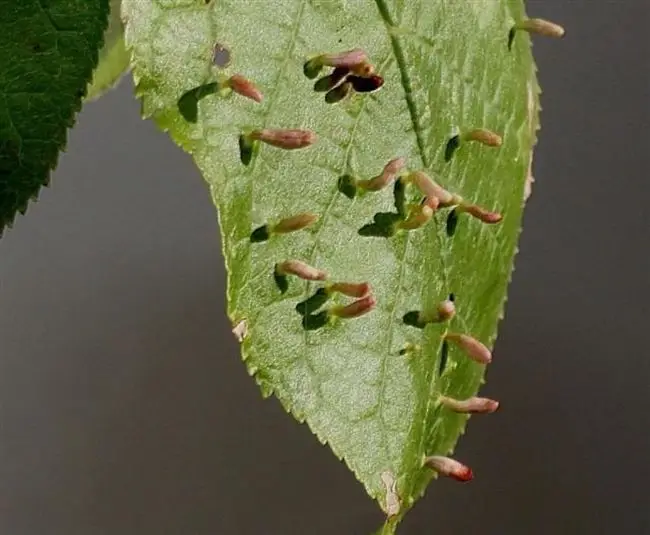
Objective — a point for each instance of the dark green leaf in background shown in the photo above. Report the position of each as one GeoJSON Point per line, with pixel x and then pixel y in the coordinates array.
{"type": "Point", "coordinates": [48, 49]}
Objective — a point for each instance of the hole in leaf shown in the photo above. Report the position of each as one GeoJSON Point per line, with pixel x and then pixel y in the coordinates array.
{"type": "Point", "coordinates": [220, 55]}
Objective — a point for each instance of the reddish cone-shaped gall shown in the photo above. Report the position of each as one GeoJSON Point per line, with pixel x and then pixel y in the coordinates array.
{"type": "Point", "coordinates": [301, 270]}
{"type": "Point", "coordinates": [355, 309]}
{"type": "Point", "coordinates": [419, 216]}
{"type": "Point", "coordinates": [481, 213]}
{"type": "Point", "coordinates": [536, 26]}
{"type": "Point", "coordinates": [473, 405]}
{"type": "Point", "coordinates": [430, 188]}
{"type": "Point", "coordinates": [284, 138]}
{"type": "Point", "coordinates": [484, 136]}
{"type": "Point", "coordinates": [244, 87]}
{"type": "Point", "coordinates": [541, 27]}
{"type": "Point", "coordinates": [350, 59]}
{"type": "Point", "coordinates": [420, 319]}
{"type": "Point", "coordinates": [294, 223]}
{"type": "Point", "coordinates": [471, 346]}
{"type": "Point", "coordinates": [448, 467]}
{"type": "Point", "coordinates": [386, 178]}
{"type": "Point", "coordinates": [351, 289]}
{"type": "Point", "coordinates": [446, 310]}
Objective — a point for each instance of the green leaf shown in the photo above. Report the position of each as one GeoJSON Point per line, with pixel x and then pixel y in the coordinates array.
{"type": "Point", "coordinates": [113, 57]}
{"type": "Point", "coordinates": [48, 49]}
{"type": "Point", "coordinates": [447, 70]}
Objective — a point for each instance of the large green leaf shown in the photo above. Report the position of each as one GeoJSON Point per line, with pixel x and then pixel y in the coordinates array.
{"type": "Point", "coordinates": [447, 67]}
{"type": "Point", "coordinates": [113, 57]}
{"type": "Point", "coordinates": [48, 49]}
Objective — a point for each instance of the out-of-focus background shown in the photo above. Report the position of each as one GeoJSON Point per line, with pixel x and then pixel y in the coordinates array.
{"type": "Point", "coordinates": [125, 409]}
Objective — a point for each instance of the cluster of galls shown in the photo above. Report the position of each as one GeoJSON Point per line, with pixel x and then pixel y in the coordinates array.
{"type": "Point", "coordinates": [311, 309]}
{"type": "Point", "coordinates": [415, 215]}
{"type": "Point", "coordinates": [352, 71]}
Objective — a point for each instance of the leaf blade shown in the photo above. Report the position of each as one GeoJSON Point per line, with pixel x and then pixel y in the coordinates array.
{"type": "Point", "coordinates": [375, 409]}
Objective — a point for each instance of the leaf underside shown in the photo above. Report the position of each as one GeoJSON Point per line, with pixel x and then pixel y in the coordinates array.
{"type": "Point", "coordinates": [113, 57]}
{"type": "Point", "coordinates": [447, 68]}
{"type": "Point", "coordinates": [48, 49]}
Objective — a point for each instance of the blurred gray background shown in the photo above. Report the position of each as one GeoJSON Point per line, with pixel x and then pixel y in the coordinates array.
{"type": "Point", "coordinates": [125, 409]}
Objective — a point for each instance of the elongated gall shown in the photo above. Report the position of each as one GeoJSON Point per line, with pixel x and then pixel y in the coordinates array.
{"type": "Point", "coordinates": [484, 136]}
{"type": "Point", "coordinates": [301, 270]}
{"type": "Point", "coordinates": [448, 467]}
{"type": "Point", "coordinates": [481, 213]}
{"type": "Point", "coordinates": [294, 223]}
{"type": "Point", "coordinates": [284, 138]}
{"type": "Point", "coordinates": [471, 346]}
{"type": "Point", "coordinates": [541, 27]}
{"type": "Point", "coordinates": [349, 59]}
{"type": "Point", "coordinates": [473, 405]}
{"type": "Point", "coordinates": [430, 188]}
{"type": "Point", "coordinates": [386, 178]}
{"type": "Point", "coordinates": [419, 216]}
{"type": "Point", "coordinates": [244, 87]}
{"type": "Point", "coordinates": [355, 309]}
{"type": "Point", "coordinates": [351, 289]}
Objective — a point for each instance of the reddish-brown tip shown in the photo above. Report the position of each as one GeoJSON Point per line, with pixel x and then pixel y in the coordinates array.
{"type": "Point", "coordinates": [351, 289]}
{"type": "Point", "coordinates": [448, 467]}
{"type": "Point", "coordinates": [481, 213]}
{"type": "Point", "coordinates": [245, 87]}
{"type": "Point", "coordinates": [357, 308]}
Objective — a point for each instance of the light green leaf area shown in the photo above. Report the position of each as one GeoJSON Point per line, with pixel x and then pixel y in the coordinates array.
{"type": "Point", "coordinates": [113, 57]}
{"type": "Point", "coordinates": [447, 68]}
